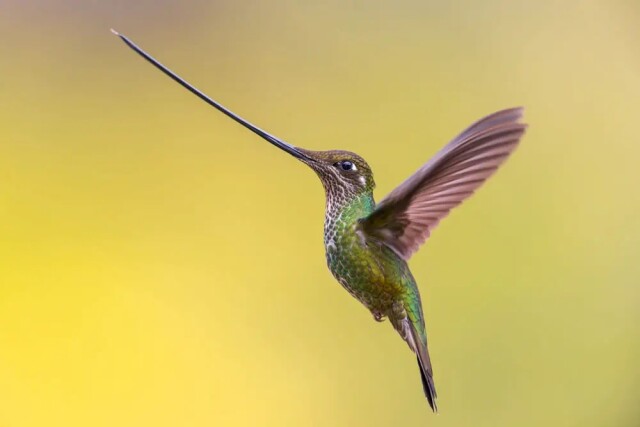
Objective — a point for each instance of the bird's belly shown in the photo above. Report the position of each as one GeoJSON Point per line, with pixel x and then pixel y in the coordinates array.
{"type": "Point", "coordinates": [365, 275]}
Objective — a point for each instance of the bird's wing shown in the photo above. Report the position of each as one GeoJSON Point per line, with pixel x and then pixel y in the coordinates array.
{"type": "Point", "coordinates": [406, 217]}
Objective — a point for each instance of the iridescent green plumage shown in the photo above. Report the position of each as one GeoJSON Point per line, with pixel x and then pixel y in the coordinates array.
{"type": "Point", "coordinates": [377, 277]}
{"type": "Point", "coordinates": [370, 271]}
{"type": "Point", "coordinates": [368, 244]}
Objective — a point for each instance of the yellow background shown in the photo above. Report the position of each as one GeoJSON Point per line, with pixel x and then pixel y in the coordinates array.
{"type": "Point", "coordinates": [162, 266]}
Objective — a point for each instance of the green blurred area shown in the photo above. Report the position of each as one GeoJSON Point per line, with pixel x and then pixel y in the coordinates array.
{"type": "Point", "coordinates": [160, 265]}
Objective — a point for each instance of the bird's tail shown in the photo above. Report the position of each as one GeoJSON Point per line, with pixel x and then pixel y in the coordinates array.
{"type": "Point", "coordinates": [409, 323]}
{"type": "Point", "coordinates": [428, 386]}
{"type": "Point", "coordinates": [424, 362]}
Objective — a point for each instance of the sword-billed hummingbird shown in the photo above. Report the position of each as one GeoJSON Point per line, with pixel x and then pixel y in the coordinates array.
{"type": "Point", "coordinates": [368, 244]}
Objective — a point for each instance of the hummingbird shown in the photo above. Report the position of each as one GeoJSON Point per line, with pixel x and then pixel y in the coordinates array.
{"type": "Point", "coordinates": [368, 244]}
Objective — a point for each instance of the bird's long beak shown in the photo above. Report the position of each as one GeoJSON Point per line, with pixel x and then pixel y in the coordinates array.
{"type": "Point", "coordinates": [294, 151]}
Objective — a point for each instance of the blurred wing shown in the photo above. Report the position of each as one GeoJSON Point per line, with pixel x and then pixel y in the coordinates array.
{"type": "Point", "coordinates": [406, 217]}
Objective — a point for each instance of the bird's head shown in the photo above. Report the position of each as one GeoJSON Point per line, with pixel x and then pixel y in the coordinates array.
{"type": "Point", "coordinates": [337, 169]}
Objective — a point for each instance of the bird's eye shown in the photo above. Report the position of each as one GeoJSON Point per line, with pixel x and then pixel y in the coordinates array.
{"type": "Point", "coordinates": [346, 165]}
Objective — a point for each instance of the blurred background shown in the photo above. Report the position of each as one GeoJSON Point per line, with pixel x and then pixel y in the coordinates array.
{"type": "Point", "coordinates": [160, 265]}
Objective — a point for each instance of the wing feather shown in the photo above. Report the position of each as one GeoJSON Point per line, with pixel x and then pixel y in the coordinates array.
{"type": "Point", "coordinates": [407, 216]}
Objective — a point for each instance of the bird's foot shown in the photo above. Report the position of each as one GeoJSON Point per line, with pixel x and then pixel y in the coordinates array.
{"type": "Point", "coordinates": [378, 317]}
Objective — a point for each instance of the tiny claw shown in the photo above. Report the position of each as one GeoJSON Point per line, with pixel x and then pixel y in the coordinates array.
{"type": "Point", "coordinates": [378, 317]}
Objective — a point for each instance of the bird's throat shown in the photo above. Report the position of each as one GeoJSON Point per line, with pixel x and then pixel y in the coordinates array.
{"type": "Point", "coordinates": [342, 213]}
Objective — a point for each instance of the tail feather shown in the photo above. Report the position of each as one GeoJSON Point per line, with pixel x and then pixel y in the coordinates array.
{"type": "Point", "coordinates": [410, 332]}
{"type": "Point", "coordinates": [428, 386]}
{"type": "Point", "coordinates": [424, 361]}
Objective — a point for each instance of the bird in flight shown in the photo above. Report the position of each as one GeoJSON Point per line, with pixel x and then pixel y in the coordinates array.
{"type": "Point", "coordinates": [368, 244]}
